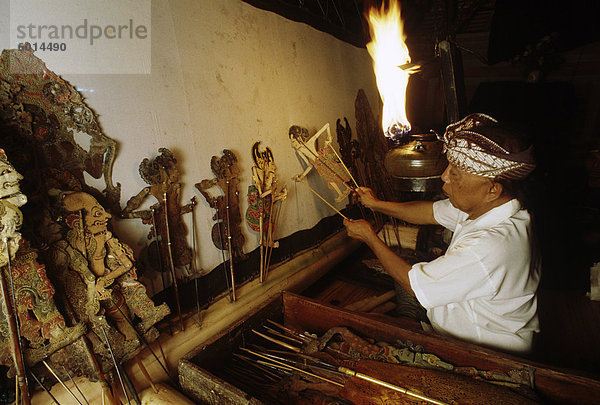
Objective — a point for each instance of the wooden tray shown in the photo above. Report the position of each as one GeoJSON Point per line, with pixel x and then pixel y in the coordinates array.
{"type": "Point", "coordinates": [196, 370]}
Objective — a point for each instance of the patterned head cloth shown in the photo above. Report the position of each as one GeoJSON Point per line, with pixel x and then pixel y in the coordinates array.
{"type": "Point", "coordinates": [468, 149]}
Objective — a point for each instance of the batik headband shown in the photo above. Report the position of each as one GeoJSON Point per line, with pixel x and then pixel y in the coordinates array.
{"type": "Point", "coordinates": [471, 151]}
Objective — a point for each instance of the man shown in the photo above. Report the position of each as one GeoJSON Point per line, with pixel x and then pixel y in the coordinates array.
{"type": "Point", "coordinates": [483, 289]}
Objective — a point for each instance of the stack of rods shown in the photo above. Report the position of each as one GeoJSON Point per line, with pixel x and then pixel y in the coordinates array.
{"type": "Point", "coordinates": [257, 368]}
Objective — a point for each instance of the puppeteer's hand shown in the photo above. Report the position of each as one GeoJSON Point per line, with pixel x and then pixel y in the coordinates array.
{"type": "Point", "coordinates": [359, 229]}
{"type": "Point", "coordinates": [366, 196]}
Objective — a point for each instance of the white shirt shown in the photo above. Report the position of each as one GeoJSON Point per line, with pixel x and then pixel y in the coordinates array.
{"type": "Point", "coordinates": [482, 290]}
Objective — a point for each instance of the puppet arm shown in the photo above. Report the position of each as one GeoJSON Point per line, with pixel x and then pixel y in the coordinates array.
{"type": "Point", "coordinates": [135, 202]}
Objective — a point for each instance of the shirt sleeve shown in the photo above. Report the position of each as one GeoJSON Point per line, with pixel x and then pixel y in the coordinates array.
{"type": "Point", "coordinates": [445, 214]}
{"type": "Point", "coordinates": [456, 276]}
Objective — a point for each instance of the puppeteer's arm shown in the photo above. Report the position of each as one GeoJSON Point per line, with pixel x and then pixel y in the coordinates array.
{"type": "Point", "coordinates": [415, 212]}
{"type": "Point", "coordinates": [393, 264]}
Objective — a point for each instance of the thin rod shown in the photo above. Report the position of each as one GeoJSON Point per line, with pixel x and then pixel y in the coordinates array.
{"type": "Point", "coordinates": [75, 384]}
{"type": "Point", "coordinates": [172, 264]}
{"type": "Point", "coordinates": [193, 202]}
{"type": "Point", "coordinates": [141, 339]}
{"type": "Point", "coordinates": [112, 355]}
{"type": "Point", "coordinates": [322, 162]}
{"type": "Point", "coordinates": [159, 258]}
{"type": "Point", "coordinates": [325, 201]}
{"type": "Point", "coordinates": [280, 343]}
{"type": "Point", "coordinates": [61, 381]}
{"type": "Point", "coordinates": [13, 320]}
{"type": "Point", "coordinates": [233, 295]}
{"type": "Point", "coordinates": [365, 377]}
{"type": "Point", "coordinates": [345, 167]}
{"type": "Point", "coordinates": [44, 387]}
{"type": "Point", "coordinates": [262, 238]}
{"type": "Point", "coordinates": [289, 367]}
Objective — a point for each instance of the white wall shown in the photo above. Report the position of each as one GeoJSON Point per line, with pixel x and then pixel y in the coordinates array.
{"type": "Point", "coordinates": [224, 75]}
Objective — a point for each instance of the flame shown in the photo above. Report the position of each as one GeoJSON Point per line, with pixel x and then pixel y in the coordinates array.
{"type": "Point", "coordinates": [388, 51]}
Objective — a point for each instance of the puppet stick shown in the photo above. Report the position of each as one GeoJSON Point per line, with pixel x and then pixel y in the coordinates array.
{"type": "Point", "coordinates": [224, 260]}
{"type": "Point", "coordinates": [172, 264]}
{"type": "Point", "coordinates": [12, 321]}
{"type": "Point", "coordinates": [44, 388]}
{"type": "Point", "coordinates": [159, 258]}
{"type": "Point", "coordinates": [112, 355]}
{"type": "Point", "coordinates": [270, 250]}
{"type": "Point", "coordinates": [276, 341]}
{"type": "Point", "coordinates": [288, 367]}
{"type": "Point", "coordinates": [269, 237]}
{"type": "Point", "coordinates": [146, 374]}
{"type": "Point", "coordinates": [75, 384]}
{"type": "Point", "coordinates": [142, 339]}
{"type": "Point", "coordinates": [404, 391]}
{"type": "Point", "coordinates": [325, 201]}
{"type": "Point", "coordinates": [61, 381]}
{"type": "Point", "coordinates": [193, 202]}
{"type": "Point", "coordinates": [323, 162]}
{"type": "Point", "coordinates": [345, 167]}
{"type": "Point", "coordinates": [260, 232]}
{"type": "Point", "coordinates": [229, 244]}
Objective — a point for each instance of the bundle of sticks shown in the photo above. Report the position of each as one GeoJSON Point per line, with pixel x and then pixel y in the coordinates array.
{"type": "Point", "coordinates": [286, 366]}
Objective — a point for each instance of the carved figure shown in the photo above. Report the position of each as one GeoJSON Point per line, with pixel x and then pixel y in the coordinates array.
{"type": "Point", "coordinates": [323, 159]}
{"type": "Point", "coordinates": [162, 176]}
{"type": "Point", "coordinates": [261, 215]}
{"type": "Point", "coordinates": [228, 218]}
{"type": "Point", "coordinates": [39, 321]}
{"type": "Point", "coordinates": [97, 277]}
{"type": "Point", "coordinates": [226, 232]}
{"type": "Point", "coordinates": [40, 115]}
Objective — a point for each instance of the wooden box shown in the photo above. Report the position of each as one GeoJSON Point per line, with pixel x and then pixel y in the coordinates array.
{"type": "Point", "coordinates": [196, 369]}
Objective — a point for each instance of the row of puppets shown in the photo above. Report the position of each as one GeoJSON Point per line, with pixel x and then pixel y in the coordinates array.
{"type": "Point", "coordinates": [72, 303]}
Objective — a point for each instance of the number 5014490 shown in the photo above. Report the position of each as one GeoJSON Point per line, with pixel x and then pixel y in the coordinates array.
{"type": "Point", "coordinates": [42, 46]}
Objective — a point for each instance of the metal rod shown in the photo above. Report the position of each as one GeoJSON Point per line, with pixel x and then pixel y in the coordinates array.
{"type": "Point", "coordinates": [229, 243]}
{"type": "Point", "coordinates": [365, 377]}
{"type": "Point", "coordinates": [60, 381]}
{"type": "Point", "coordinates": [279, 342]}
{"type": "Point", "coordinates": [193, 202]}
{"type": "Point", "coordinates": [285, 366]}
{"type": "Point", "coordinates": [141, 339]}
{"type": "Point", "coordinates": [262, 239]}
{"type": "Point", "coordinates": [345, 167]}
{"type": "Point", "coordinates": [112, 355]}
{"type": "Point", "coordinates": [75, 384]}
{"type": "Point", "coordinates": [44, 388]}
{"type": "Point", "coordinates": [223, 256]}
{"type": "Point", "coordinates": [325, 201]}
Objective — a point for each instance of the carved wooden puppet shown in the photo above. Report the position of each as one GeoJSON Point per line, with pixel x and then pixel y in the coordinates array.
{"type": "Point", "coordinates": [263, 210]}
{"type": "Point", "coordinates": [30, 323]}
{"type": "Point", "coordinates": [41, 116]}
{"type": "Point", "coordinates": [164, 217]}
{"type": "Point", "coordinates": [226, 232]}
{"type": "Point", "coordinates": [324, 159]}
{"type": "Point", "coordinates": [97, 278]}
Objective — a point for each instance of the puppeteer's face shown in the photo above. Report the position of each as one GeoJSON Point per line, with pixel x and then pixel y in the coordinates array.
{"type": "Point", "coordinates": [96, 218]}
{"type": "Point", "coordinates": [467, 192]}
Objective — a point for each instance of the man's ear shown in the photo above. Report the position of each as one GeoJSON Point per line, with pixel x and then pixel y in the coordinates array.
{"type": "Point", "coordinates": [495, 191]}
